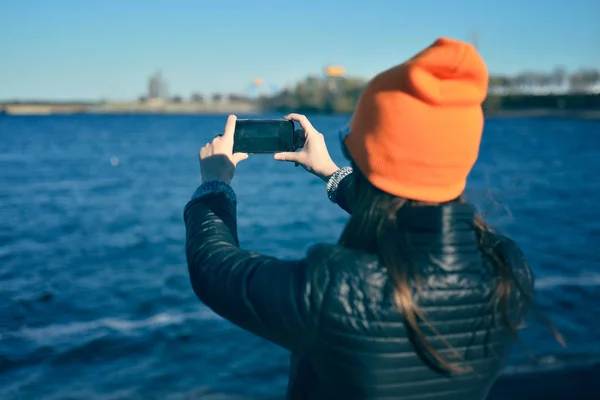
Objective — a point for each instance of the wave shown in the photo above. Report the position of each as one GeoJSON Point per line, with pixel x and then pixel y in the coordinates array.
{"type": "Point", "coordinates": [123, 326]}
{"type": "Point", "coordinates": [65, 184]}
{"type": "Point", "coordinates": [555, 362]}
{"type": "Point", "coordinates": [551, 282]}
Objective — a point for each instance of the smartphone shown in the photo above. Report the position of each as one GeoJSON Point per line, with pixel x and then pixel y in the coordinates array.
{"type": "Point", "coordinates": [266, 136]}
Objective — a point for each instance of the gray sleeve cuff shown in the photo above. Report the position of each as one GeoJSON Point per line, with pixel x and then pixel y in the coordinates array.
{"type": "Point", "coordinates": [334, 181]}
{"type": "Point", "coordinates": [214, 186]}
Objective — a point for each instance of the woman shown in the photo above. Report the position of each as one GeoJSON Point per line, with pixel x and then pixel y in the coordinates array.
{"type": "Point", "coordinates": [419, 298]}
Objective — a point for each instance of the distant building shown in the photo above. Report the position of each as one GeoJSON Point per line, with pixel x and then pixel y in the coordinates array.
{"type": "Point", "coordinates": [157, 87]}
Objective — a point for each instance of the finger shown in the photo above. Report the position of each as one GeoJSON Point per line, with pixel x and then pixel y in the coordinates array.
{"type": "Point", "coordinates": [288, 156]}
{"type": "Point", "coordinates": [203, 150]}
{"type": "Point", "coordinates": [237, 157]}
{"type": "Point", "coordinates": [230, 127]}
{"type": "Point", "coordinates": [302, 120]}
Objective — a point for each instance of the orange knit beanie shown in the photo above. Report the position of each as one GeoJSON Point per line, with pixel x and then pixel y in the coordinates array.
{"type": "Point", "coordinates": [416, 129]}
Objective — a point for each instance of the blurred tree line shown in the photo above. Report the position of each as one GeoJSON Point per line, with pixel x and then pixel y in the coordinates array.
{"type": "Point", "coordinates": [200, 99]}
{"type": "Point", "coordinates": [315, 94]}
{"type": "Point", "coordinates": [528, 90]}
{"type": "Point", "coordinates": [557, 81]}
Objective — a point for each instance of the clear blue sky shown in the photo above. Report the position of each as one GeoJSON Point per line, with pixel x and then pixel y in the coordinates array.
{"type": "Point", "coordinates": [84, 49]}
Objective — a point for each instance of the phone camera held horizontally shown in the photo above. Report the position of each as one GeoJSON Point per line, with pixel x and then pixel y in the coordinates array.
{"type": "Point", "coordinates": [264, 136]}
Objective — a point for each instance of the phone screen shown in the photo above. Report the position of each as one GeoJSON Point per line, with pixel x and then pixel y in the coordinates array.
{"type": "Point", "coordinates": [263, 136]}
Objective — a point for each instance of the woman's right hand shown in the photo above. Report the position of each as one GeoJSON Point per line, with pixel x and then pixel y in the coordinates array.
{"type": "Point", "coordinates": [314, 156]}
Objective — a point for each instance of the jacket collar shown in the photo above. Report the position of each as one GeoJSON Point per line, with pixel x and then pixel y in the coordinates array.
{"type": "Point", "coordinates": [444, 219]}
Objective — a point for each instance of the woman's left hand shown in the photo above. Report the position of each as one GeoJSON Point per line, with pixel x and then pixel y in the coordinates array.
{"type": "Point", "coordinates": [217, 160]}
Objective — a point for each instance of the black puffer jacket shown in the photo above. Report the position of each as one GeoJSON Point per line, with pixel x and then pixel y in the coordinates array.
{"type": "Point", "coordinates": [334, 309]}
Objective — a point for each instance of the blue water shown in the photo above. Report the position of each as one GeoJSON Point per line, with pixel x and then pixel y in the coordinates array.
{"type": "Point", "coordinates": [95, 300]}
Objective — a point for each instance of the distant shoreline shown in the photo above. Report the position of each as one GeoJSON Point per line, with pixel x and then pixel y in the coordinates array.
{"type": "Point", "coordinates": [127, 108]}
{"type": "Point", "coordinates": [545, 113]}
{"type": "Point", "coordinates": [190, 108]}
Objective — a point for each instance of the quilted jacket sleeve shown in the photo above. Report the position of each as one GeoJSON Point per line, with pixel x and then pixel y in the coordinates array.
{"type": "Point", "coordinates": [271, 298]}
